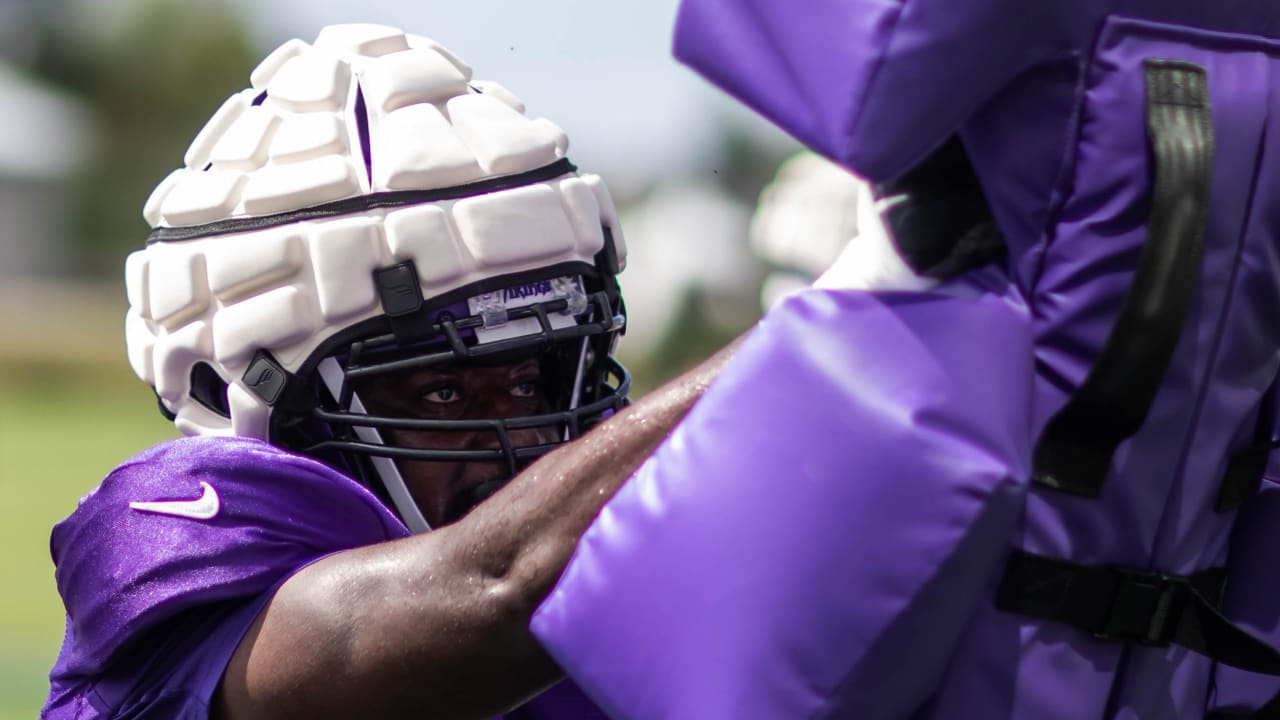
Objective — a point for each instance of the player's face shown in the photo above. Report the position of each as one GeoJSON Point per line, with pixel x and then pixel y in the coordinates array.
{"type": "Point", "coordinates": [445, 491]}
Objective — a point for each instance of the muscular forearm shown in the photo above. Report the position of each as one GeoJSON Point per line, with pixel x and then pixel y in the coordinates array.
{"type": "Point", "coordinates": [437, 625]}
{"type": "Point", "coordinates": [526, 537]}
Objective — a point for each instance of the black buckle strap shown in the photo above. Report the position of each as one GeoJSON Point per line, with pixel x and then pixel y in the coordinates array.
{"type": "Point", "coordinates": [1133, 606]}
{"type": "Point", "coordinates": [1109, 603]}
{"type": "Point", "coordinates": [1074, 453]}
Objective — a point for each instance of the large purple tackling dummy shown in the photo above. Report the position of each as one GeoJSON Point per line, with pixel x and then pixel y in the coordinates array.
{"type": "Point", "coordinates": [1015, 494]}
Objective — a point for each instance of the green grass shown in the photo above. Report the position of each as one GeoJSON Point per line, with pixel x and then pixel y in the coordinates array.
{"type": "Point", "coordinates": [61, 430]}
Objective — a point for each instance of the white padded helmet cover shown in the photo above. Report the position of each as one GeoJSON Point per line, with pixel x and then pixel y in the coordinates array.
{"type": "Point", "coordinates": [285, 289]}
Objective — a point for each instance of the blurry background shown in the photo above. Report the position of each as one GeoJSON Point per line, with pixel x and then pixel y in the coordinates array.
{"type": "Point", "coordinates": [99, 100]}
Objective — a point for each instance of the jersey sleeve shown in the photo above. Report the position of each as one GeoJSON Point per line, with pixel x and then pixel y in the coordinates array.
{"type": "Point", "coordinates": [198, 522]}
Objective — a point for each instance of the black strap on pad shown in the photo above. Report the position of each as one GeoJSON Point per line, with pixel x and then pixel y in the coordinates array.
{"type": "Point", "coordinates": [1133, 606]}
{"type": "Point", "coordinates": [1074, 452]}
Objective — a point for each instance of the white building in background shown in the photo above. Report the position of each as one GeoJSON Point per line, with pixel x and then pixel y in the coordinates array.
{"type": "Point", "coordinates": [685, 236]}
{"type": "Point", "coordinates": [805, 218]}
{"type": "Point", "coordinates": [45, 136]}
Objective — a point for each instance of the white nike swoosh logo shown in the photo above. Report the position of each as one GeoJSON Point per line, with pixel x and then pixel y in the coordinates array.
{"type": "Point", "coordinates": [203, 508]}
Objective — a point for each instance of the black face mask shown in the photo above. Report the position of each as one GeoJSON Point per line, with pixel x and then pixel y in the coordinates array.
{"type": "Point", "coordinates": [325, 419]}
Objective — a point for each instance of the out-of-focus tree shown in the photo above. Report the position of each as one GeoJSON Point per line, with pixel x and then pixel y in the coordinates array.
{"type": "Point", "coordinates": [152, 75]}
{"type": "Point", "coordinates": [745, 163]}
{"type": "Point", "coordinates": [693, 282]}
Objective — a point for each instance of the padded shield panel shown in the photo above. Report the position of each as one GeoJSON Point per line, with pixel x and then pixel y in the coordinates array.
{"type": "Point", "coordinates": [1060, 151]}
{"type": "Point", "coordinates": [712, 584]}
{"type": "Point", "coordinates": [874, 84]}
{"type": "Point", "coordinates": [877, 84]}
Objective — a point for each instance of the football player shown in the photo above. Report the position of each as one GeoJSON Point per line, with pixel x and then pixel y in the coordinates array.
{"type": "Point", "coordinates": [375, 296]}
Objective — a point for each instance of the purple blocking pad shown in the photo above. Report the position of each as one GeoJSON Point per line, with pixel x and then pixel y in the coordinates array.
{"type": "Point", "coordinates": [729, 562]}
{"type": "Point", "coordinates": [824, 534]}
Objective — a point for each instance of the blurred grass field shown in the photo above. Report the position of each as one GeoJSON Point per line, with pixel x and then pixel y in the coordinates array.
{"type": "Point", "coordinates": [58, 437]}
{"type": "Point", "coordinates": [70, 410]}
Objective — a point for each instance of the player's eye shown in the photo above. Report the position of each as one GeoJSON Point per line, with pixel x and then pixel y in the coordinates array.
{"type": "Point", "coordinates": [524, 390]}
{"type": "Point", "coordinates": [443, 395]}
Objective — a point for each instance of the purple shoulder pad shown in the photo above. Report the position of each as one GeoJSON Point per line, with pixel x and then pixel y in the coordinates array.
{"type": "Point", "coordinates": [711, 586]}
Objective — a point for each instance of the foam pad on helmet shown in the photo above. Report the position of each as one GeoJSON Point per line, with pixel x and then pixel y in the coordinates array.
{"type": "Point", "coordinates": [555, 133]}
{"type": "Point", "coordinates": [198, 152]}
{"type": "Point", "coordinates": [175, 353]}
{"type": "Point", "coordinates": [244, 144]}
{"type": "Point", "coordinates": [249, 414]}
{"type": "Point", "coordinates": [499, 92]}
{"type": "Point", "coordinates": [277, 318]}
{"type": "Point", "coordinates": [424, 235]}
{"type": "Point", "coordinates": [584, 213]}
{"type": "Point", "coordinates": [140, 343]}
{"type": "Point", "coordinates": [503, 140]}
{"type": "Point", "coordinates": [410, 77]}
{"type": "Point", "coordinates": [287, 288]}
{"type": "Point", "coordinates": [178, 289]}
{"type": "Point", "coordinates": [136, 289]}
{"type": "Point", "coordinates": [608, 216]}
{"type": "Point", "coordinates": [517, 225]}
{"type": "Point", "coordinates": [271, 64]}
{"type": "Point", "coordinates": [365, 39]}
{"type": "Point", "coordinates": [417, 147]}
{"type": "Point", "coordinates": [202, 196]}
{"type": "Point", "coordinates": [278, 188]}
{"type": "Point", "coordinates": [195, 419]}
{"type": "Point", "coordinates": [344, 255]}
{"type": "Point", "coordinates": [253, 262]}
{"type": "Point", "coordinates": [310, 82]}
{"type": "Point", "coordinates": [303, 137]}
{"type": "Point", "coordinates": [418, 41]}
{"type": "Point", "coordinates": [151, 211]}
{"type": "Point", "coordinates": [297, 139]}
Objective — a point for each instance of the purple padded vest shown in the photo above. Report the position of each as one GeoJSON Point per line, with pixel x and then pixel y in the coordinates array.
{"type": "Point", "coordinates": [1038, 490]}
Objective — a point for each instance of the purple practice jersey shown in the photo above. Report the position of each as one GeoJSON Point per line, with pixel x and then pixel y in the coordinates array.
{"type": "Point", "coordinates": [164, 567]}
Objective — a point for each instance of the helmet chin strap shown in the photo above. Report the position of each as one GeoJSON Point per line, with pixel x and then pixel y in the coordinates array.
{"type": "Point", "coordinates": [332, 376]}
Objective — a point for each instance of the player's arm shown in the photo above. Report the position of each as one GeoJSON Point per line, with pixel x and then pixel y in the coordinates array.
{"type": "Point", "coordinates": [436, 625]}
